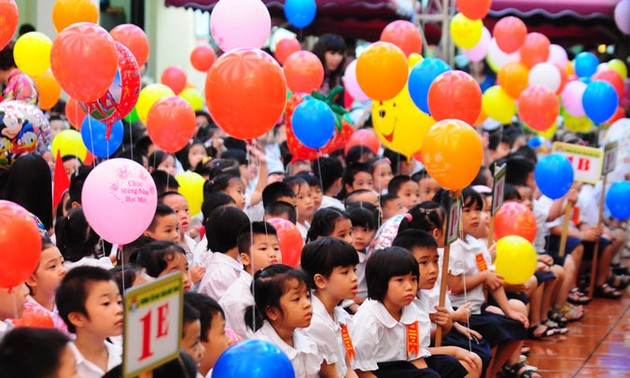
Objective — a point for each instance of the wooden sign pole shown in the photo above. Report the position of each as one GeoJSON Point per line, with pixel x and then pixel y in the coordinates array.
{"type": "Point", "coordinates": [447, 251]}
{"type": "Point", "coordinates": [600, 220]}
{"type": "Point", "coordinates": [565, 228]}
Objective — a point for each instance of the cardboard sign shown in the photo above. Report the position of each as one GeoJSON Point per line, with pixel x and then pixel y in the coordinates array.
{"type": "Point", "coordinates": [610, 157]}
{"type": "Point", "coordinates": [152, 331]}
{"type": "Point", "coordinates": [587, 161]}
{"type": "Point", "coordinates": [498, 189]}
{"type": "Point", "coordinates": [453, 219]}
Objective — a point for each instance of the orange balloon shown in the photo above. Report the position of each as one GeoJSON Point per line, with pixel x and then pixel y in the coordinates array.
{"type": "Point", "coordinates": [452, 153]}
{"type": "Point", "coordinates": [48, 89]}
{"type": "Point", "coordinates": [570, 69]}
{"type": "Point", "coordinates": [619, 114]}
{"type": "Point", "coordinates": [175, 78]}
{"type": "Point", "coordinates": [290, 240]}
{"type": "Point", "coordinates": [84, 61]}
{"type": "Point", "coordinates": [538, 107]}
{"type": "Point", "coordinates": [509, 33]}
{"type": "Point", "coordinates": [474, 9]}
{"type": "Point", "coordinates": [246, 92]}
{"type": "Point", "coordinates": [403, 34]}
{"type": "Point", "coordinates": [363, 137]}
{"type": "Point", "coordinates": [68, 12]}
{"type": "Point", "coordinates": [513, 78]}
{"type": "Point", "coordinates": [382, 71]}
{"type": "Point", "coordinates": [535, 49]}
{"type": "Point", "coordinates": [611, 77]}
{"type": "Point", "coordinates": [9, 15]}
{"type": "Point", "coordinates": [304, 72]}
{"type": "Point", "coordinates": [514, 218]}
{"type": "Point", "coordinates": [74, 113]}
{"type": "Point", "coordinates": [171, 123]}
{"type": "Point", "coordinates": [482, 117]}
{"type": "Point", "coordinates": [202, 57]}
{"type": "Point", "coordinates": [285, 47]}
{"type": "Point", "coordinates": [455, 94]}
{"type": "Point", "coordinates": [133, 38]}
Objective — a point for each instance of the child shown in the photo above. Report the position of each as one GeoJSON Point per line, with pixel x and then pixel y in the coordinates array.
{"type": "Point", "coordinates": [165, 225]}
{"type": "Point", "coordinates": [213, 336]}
{"type": "Point", "coordinates": [161, 161]}
{"type": "Point", "coordinates": [222, 266]}
{"type": "Point", "coordinates": [362, 195]}
{"type": "Point", "coordinates": [329, 221]}
{"type": "Point", "coordinates": [406, 189]}
{"type": "Point", "coordinates": [78, 242]}
{"type": "Point", "coordinates": [330, 264]}
{"type": "Point", "coordinates": [44, 281]}
{"type": "Point", "coordinates": [164, 182]}
{"type": "Point", "coordinates": [90, 303]}
{"type": "Point", "coordinates": [391, 205]}
{"type": "Point", "coordinates": [11, 305]}
{"type": "Point", "coordinates": [330, 173]}
{"type": "Point", "coordinates": [160, 258]}
{"type": "Point", "coordinates": [228, 184]}
{"type": "Point", "coordinates": [316, 188]}
{"type": "Point", "coordinates": [357, 176]}
{"type": "Point", "coordinates": [258, 248]}
{"type": "Point", "coordinates": [364, 225]}
{"type": "Point", "coordinates": [304, 203]}
{"type": "Point", "coordinates": [381, 174]}
{"type": "Point", "coordinates": [191, 333]}
{"type": "Point", "coordinates": [427, 185]}
{"type": "Point", "coordinates": [278, 191]}
{"type": "Point", "coordinates": [281, 209]}
{"type": "Point", "coordinates": [282, 303]}
{"type": "Point", "coordinates": [192, 155]}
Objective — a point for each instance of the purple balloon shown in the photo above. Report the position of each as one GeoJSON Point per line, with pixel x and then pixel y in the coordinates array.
{"type": "Point", "coordinates": [622, 16]}
{"type": "Point", "coordinates": [572, 98]}
{"type": "Point", "coordinates": [477, 53]}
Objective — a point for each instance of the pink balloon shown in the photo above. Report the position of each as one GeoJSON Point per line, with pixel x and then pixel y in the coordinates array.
{"type": "Point", "coordinates": [240, 23]}
{"type": "Point", "coordinates": [572, 98]}
{"type": "Point", "coordinates": [558, 55]}
{"type": "Point", "coordinates": [119, 200]}
{"type": "Point", "coordinates": [477, 53]}
{"type": "Point", "coordinates": [351, 84]}
{"type": "Point", "coordinates": [622, 16]}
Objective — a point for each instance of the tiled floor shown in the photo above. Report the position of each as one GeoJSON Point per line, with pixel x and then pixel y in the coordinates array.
{"type": "Point", "coordinates": [597, 346]}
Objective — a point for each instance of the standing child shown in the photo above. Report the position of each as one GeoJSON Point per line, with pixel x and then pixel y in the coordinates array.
{"type": "Point", "coordinates": [229, 184]}
{"type": "Point", "coordinates": [381, 174]}
{"type": "Point", "coordinates": [161, 161]}
{"type": "Point", "coordinates": [11, 305]}
{"type": "Point", "coordinates": [165, 225]}
{"type": "Point", "coordinates": [304, 203]}
{"type": "Point", "coordinates": [391, 205]}
{"type": "Point", "coordinates": [160, 258]}
{"type": "Point", "coordinates": [406, 189]}
{"type": "Point", "coordinates": [357, 176]}
{"type": "Point", "coordinates": [330, 173]}
{"type": "Point", "coordinates": [329, 221]}
{"type": "Point", "coordinates": [78, 242]}
{"type": "Point", "coordinates": [364, 225]}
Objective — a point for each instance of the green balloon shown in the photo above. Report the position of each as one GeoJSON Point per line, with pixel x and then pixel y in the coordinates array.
{"type": "Point", "coordinates": [132, 116]}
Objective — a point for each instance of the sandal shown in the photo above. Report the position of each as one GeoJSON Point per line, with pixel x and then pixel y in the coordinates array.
{"type": "Point", "coordinates": [549, 331]}
{"type": "Point", "coordinates": [619, 282]}
{"type": "Point", "coordinates": [557, 317]}
{"type": "Point", "coordinates": [577, 297]}
{"type": "Point", "coordinates": [571, 312]}
{"type": "Point", "coordinates": [606, 291]}
{"type": "Point", "coordinates": [560, 328]}
{"type": "Point", "coordinates": [525, 350]}
{"type": "Point", "coordinates": [519, 370]}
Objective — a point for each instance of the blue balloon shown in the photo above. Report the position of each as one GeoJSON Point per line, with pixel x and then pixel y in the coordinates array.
{"type": "Point", "coordinates": [313, 123]}
{"type": "Point", "coordinates": [420, 79]}
{"type": "Point", "coordinates": [300, 13]}
{"type": "Point", "coordinates": [253, 359]}
{"type": "Point", "coordinates": [585, 64]}
{"type": "Point", "coordinates": [94, 135]}
{"type": "Point", "coordinates": [600, 101]}
{"type": "Point", "coordinates": [554, 175]}
{"type": "Point", "coordinates": [535, 142]}
{"type": "Point", "coordinates": [618, 200]}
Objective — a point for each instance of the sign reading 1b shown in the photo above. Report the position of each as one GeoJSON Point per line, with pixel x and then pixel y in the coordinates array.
{"type": "Point", "coordinates": [152, 332]}
{"type": "Point", "coordinates": [586, 161]}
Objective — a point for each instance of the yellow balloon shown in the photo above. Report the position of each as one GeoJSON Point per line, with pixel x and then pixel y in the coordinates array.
{"type": "Point", "coordinates": [466, 33]}
{"type": "Point", "coordinates": [548, 134]}
{"type": "Point", "coordinates": [577, 124]}
{"type": "Point", "coordinates": [498, 105]}
{"type": "Point", "coordinates": [149, 96]}
{"type": "Point", "coordinates": [69, 142]}
{"type": "Point", "coordinates": [620, 67]}
{"type": "Point", "coordinates": [414, 58]}
{"type": "Point", "coordinates": [32, 53]}
{"type": "Point", "coordinates": [193, 97]}
{"type": "Point", "coordinates": [400, 125]}
{"type": "Point", "coordinates": [191, 187]}
{"type": "Point", "coordinates": [516, 259]}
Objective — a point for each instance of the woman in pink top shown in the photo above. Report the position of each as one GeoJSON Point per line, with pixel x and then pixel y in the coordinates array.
{"type": "Point", "coordinates": [17, 85]}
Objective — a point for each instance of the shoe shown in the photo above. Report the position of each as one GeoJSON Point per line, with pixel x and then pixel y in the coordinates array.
{"type": "Point", "coordinates": [548, 331]}
{"type": "Point", "coordinates": [607, 291]}
{"type": "Point", "coordinates": [559, 327]}
{"type": "Point", "coordinates": [619, 282]}
{"type": "Point", "coordinates": [571, 312]}
{"type": "Point", "coordinates": [576, 297]}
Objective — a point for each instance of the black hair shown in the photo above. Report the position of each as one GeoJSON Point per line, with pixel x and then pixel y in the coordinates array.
{"type": "Point", "coordinates": [26, 28]}
{"type": "Point", "coordinates": [352, 170]}
{"type": "Point", "coordinates": [232, 143]}
{"type": "Point", "coordinates": [164, 181]}
{"type": "Point", "coordinates": [363, 214]}
{"type": "Point", "coordinates": [76, 184]}
{"type": "Point", "coordinates": [218, 184]}
{"type": "Point", "coordinates": [420, 175]}
{"type": "Point", "coordinates": [239, 156]}
{"type": "Point", "coordinates": [6, 57]}
{"type": "Point", "coordinates": [125, 275]}
{"type": "Point", "coordinates": [182, 155]}
{"type": "Point", "coordinates": [494, 138]}
{"type": "Point", "coordinates": [413, 238]}
{"type": "Point", "coordinates": [214, 200]}
{"type": "Point", "coordinates": [385, 264]}
{"type": "Point", "coordinates": [136, 156]}
{"type": "Point", "coordinates": [481, 178]}
{"type": "Point", "coordinates": [66, 158]}
{"type": "Point", "coordinates": [518, 168]}
{"type": "Point", "coordinates": [331, 42]}
{"type": "Point", "coordinates": [161, 196]}
{"type": "Point", "coordinates": [323, 222]}
{"type": "Point", "coordinates": [396, 182]}
{"type": "Point", "coordinates": [295, 183]}
{"type": "Point", "coordinates": [280, 209]}
{"type": "Point", "coordinates": [396, 160]}
{"type": "Point", "coordinates": [208, 309]}
{"type": "Point", "coordinates": [28, 352]}
{"type": "Point", "coordinates": [155, 256]}
{"type": "Point", "coordinates": [161, 210]}
{"type": "Point", "coordinates": [310, 179]}
{"type": "Point", "coordinates": [246, 236]}
{"type": "Point", "coordinates": [328, 170]}
{"type": "Point", "coordinates": [270, 285]}
{"type": "Point", "coordinates": [470, 197]}
{"type": "Point", "coordinates": [350, 198]}
{"type": "Point", "coordinates": [156, 158]}
{"type": "Point", "coordinates": [75, 238]}
{"type": "Point", "coordinates": [189, 315]}
{"type": "Point", "coordinates": [355, 153]}
{"type": "Point", "coordinates": [223, 227]}
{"type": "Point", "coordinates": [183, 366]}
{"type": "Point", "coordinates": [73, 291]}
{"type": "Point", "coordinates": [510, 193]}
{"type": "Point", "coordinates": [442, 197]}
{"type": "Point", "coordinates": [425, 216]}
{"type": "Point", "coordinates": [323, 255]}
{"type": "Point", "coordinates": [528, 153]}
{"type": "Point", "coordinates": [126, 251]}
{"type": "Point", "coordinates": [385, 198]}
{"type": "Point", "coordinates": [275, 191]}
{"type": "Point", "coordinates": [206, 115]}
{"type": "Point", "coordinates": [215, 167]}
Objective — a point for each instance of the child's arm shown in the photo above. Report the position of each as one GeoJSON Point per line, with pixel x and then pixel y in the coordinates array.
{"type": "Point", "coordinates": [443, 319]}
{"type": "Point", "coordinates": [456, 283]}
{"type": "Point", "coordinates": [457, 352]}
{"type": "Point", "coordinates": [365, 374]}
{"type": "Point", "coordinates": [501, 299]}
{"type": "Point", "coordinates": [328, 371]}
{"type": "Point", "coordinates": [350, 373]}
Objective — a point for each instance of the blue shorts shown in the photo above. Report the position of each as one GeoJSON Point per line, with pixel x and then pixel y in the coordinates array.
{"type": "Point", "coordinates": [446, 366]}
{"type": "Point", "coordinates": [553, 246]}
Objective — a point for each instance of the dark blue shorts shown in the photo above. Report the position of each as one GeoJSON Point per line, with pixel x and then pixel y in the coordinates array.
{"type": "Point", "coordinates": [479, 347]}
{"type": "Point", "coordinates": [553, 246]}
{"type": "Point", "coordinates": [398, 369]}
{"type": "Point", "coordinates": [446, 366]}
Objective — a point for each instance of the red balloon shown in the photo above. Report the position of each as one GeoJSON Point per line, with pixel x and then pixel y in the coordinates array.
{"type": "Point", "coordinates": [9, 15]}
{"type": "Point", "coordinates": [474, 9]}
{"type": "Point", "coordinates": [538, 107]}
{"type": "Point", "coordinates": [403, 34]}
{"type": "Point", "coordinates": [35, 317]}
{"type": "Point", "coordinates": [613, 78]}
{"type": "Point", "coordinates": [619, 114]}
{"type": "Point", "coordinates": [123, 92]}
{"type": "Point", "coordinates": [510, 33]}
{"type": "Point", "coordinates": [74, 113]}
{"type": "Point", "coordinates": [171, 123]}
{"type": "Point", "coordinates": [202, 57]}
{"type": "Point", "coordinates": [175, 78]}
{"type": "Point", "coordinates": [20, 244]}
{"type": "Point", "coordinates": [535, 49]}
{"type": "Point", "coordinates": [285, 47]}
{"type": "Point", "coordinates": [134, 39]}
{"type": "Point", "coordinates": [290, 239]}
{"type": "Point", "coordinates": [364, 137]}
{"type": "Point", "coordinates": [84, 61]}
{"type": "Point", "coordinates": [564, 78]}
{"type": "Point", "coordinates": [455, 95]}
{"type": "Point", "coordinates": [304, 72]}
{"type": "Point", "coordinates": [246, 92]}
{"type": "Point", "coordinates": [514, 218]}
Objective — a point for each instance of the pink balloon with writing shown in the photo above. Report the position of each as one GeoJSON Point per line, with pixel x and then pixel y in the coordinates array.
{"type": "Point", "coordinates": [119, 199]}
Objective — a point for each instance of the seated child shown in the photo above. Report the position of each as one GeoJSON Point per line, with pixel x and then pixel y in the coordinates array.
{"type": "Point", "coordinates": [406, 189]}
{"type": "Point", "coordinates": [329, 221]}
{"type": "Point", "coordinates": [160, 258]}
{"type": "Point", "coordinates": [191, 333]}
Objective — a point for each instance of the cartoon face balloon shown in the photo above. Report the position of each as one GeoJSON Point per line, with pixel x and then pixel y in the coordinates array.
{"type": "Point", "coordinates": [23, 129]}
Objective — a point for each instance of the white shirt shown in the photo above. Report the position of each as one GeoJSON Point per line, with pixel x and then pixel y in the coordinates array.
{"type": "Point", "coordinates": [303, 354]}
{"type": "Point", "coordinates": [328, 201]}
{"type": "Point", "coordinates": [462, 262]}
{"type": "Point", "coordinates": [221, 272]}
{"type": "Point", "coordinates": [303, 228]}
{"type": "Point", "coordinates": [200, 251]}
{"type": "Point", "coordinates": [87, 369]}
{"type": "Point", "coordinates": [378, 337]}
{"type": "Point", "coordinates": [103, 262]}
{"type": "Point", "coordinates": [362, 290]}
{"type": "Point", "coordinates": [588, 202]}
{"type": "Point", "coordinates": [326, 332]}
{"type": "Point", "coordinates": [234, 302]}
{"type": "Point", "coordinates": [541, 213]}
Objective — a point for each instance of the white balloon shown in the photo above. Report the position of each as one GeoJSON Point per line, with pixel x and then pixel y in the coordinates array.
{"type": "Point", "coordinates": [602, 67]}
{"type": "Point", "coordinates": [499, 58]}
{"type": "Point", "coordinates": [557, 54]}
{"type": "Point", "coordinates": [546, 74]}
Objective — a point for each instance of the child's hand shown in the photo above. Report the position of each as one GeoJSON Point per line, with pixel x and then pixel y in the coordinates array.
{"type": "Point", "coordinates": [196, 273]}
{"type": "Point", "coordinates": [546, 259]}
{"type": "Point", "coordinates": [464, 355]}
{"type": "Point", "coordinates": [469, 333]}
{"type": "Point", "coordinates": [542, 267]}
{"type": "Point", "coordinates": [442, 317]}
{"type": "Point", "coordinates": [519, 317]}
{"type": "Point", "coordinates": [462, 314]}
{"type": "Point", "coordinates": [193, 231]}
{"type": "Point", "coordinates": [493, 280]}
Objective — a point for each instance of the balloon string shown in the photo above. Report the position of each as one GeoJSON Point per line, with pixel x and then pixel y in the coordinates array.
{"type": "Point", "coordinates": [15, 309]}
{"type": "Point", "coordinates": [91, 131]}
{"type": "Point", "coordinates": [251, 237]}
{"type": "Point", "coordinates": [131, 139]}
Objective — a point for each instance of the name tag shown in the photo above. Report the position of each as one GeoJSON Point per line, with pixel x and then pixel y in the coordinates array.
{"type": "Point", "coordinates": [481, 262]}
{"type": "Point", "coordinates": [347, 342]}
{"type": "Point", "coordinates": [413, 339]}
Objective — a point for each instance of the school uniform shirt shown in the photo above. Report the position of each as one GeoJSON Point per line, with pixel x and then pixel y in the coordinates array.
{"type": "Point", "coordinates": [327, 333]}
{"type": "Point", "coordinates": [303, 354]}
{"type": "Point", "coordinates": [362, 289]}
{"type": "Point", "coordinates": [201, 252]}
{"type": "Point", "coordinates": [234, 302]}
{"type": "Point", "coordinates": [303, 228]}
{"type": "Point", "coordinates": [221, 272]}
{"type": "Point", "coordinates": [463, 262]}
{"type": "Point", "coordinates": [328, 201]}
{"type": "Point", "coordinates": [378, 337]}
{"type": "Point", "coordinates": [432, 296]}
{"type": "Point", "coordinates": [103, 262]}
{"type": "Point", "coordinates": [34, 306]}
{"type": "Point", "coordinates": [425, 325]}
{"type": "Point", "coordinates": [191, 243]}
{"type": "Point", "coordinates": [541, 213]}
{"type": "Point", "coordinates": [87, 369]}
